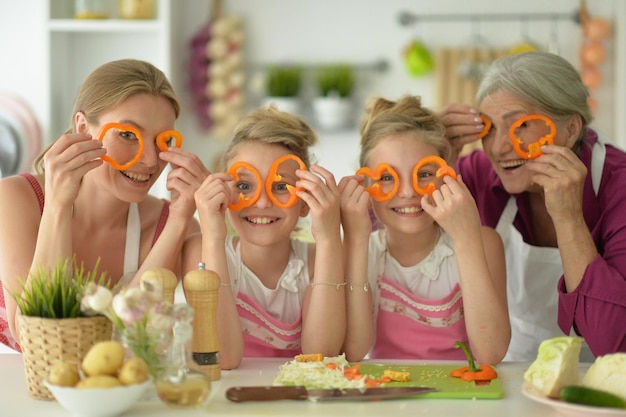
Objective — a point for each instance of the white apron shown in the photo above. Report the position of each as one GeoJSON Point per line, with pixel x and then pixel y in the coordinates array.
{"type": "Point", "coordinates": [532, 276]}
{"type": "Point", "coordinates": [131, 248]}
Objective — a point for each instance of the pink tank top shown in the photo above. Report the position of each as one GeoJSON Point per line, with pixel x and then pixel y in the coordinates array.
{"type": "Point", "coordinates": [264, 336]}
{"type": "Point", "coordinates": [410, 327]}
{"type": "Point", "coordinates": [5, 334]}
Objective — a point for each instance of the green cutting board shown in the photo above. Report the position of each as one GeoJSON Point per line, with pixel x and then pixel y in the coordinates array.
{"type": "Point", "coordinates": [437, 376]}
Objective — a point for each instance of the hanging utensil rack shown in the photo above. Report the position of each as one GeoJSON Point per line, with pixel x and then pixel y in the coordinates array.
{"type": "Point", "coordinates": [406, 18]}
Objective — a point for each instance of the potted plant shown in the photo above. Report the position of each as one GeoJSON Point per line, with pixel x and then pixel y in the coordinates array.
{"type": "Point", "coordinates": [52, 327]}
{"type": "Point", "coordinates": [333, 106]}
{"type": "Point", "coordinates": [283, 87]}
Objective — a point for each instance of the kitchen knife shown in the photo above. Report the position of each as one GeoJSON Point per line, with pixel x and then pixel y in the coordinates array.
{"type": "Point", "coordinates": [273, 393]}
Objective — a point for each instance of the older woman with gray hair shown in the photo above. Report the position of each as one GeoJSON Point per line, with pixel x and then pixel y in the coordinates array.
{"type": "Point", "coordinates": [553, 188]}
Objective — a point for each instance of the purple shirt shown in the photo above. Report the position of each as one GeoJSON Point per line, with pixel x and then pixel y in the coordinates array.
{"type": "Point", "coordinates": [597, 307]}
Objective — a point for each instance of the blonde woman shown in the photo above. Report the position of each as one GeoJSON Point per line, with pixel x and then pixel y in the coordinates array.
{"type": "Point", "coordinates": [76, 204]}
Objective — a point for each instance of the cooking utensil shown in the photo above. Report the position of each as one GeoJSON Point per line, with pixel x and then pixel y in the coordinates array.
{"type": "Point", "coordinates": [273, 393]}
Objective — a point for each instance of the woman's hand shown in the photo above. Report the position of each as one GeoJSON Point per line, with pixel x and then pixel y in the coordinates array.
{"type": "Point", "coordinates": [355, 205]}
{"type": "Point", "coordinates": [463, 124]}
{"type": "Point", "coordinates": [454, 209]}
{"type": "Point", "coordinates": [185, 178]}
{"type": "Point", "coordinates": [562, 175]}
{"type": "Point", "coordinates": [212, 198]}
{"type": "Point", "coordinates": [322, 196]}
{"type": "Point", "coordinates": [66, 163]}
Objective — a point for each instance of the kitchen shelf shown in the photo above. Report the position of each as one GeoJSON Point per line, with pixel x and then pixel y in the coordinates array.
{"type": "Point", "coordinates": [78, 46]}
{"type": "Point", "coordinates": [104, 25]}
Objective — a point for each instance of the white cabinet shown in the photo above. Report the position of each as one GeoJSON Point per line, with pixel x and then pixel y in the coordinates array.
{"type": "Point", "coordinates": [78, 46]}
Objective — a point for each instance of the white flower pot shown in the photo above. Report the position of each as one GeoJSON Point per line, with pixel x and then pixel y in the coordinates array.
{"type": "Point", "coordinates": [332, 113]}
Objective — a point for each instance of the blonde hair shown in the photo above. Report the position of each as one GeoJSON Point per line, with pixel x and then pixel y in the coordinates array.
{"type": "Point", "coordinates": [383, 118]}
{"type": "Point", "coordinates": [111, 84]}
{"type": "Point", "coordinates": [272, 126]}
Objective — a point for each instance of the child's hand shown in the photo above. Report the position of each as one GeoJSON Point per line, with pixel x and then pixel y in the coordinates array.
{"type": "Point", "coordinates": [187, 174]}
{"type": "Point", "coordinates": [454, 209]}
{"type": "Point", "coordinates": [322, 196]}
{"type": "Point", "coordinates": [355, 205]}
{"type": "Point", "coordinates": [212, 198]}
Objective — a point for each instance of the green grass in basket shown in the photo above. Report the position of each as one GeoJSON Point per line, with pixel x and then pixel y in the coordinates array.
{"type": "Point", "coordinates": [56, 293]}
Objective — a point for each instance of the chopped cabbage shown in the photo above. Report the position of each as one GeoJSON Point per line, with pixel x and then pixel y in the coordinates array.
{"type": "Point", "coordinates": [556, 365]}
{"type": "Point", "coordinates": [608, 373]}
{"type": "Point", "coordinates": [315, 375]}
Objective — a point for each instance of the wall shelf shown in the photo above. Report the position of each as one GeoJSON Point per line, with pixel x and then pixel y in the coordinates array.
{"type": "Point", "coordinates": [107, 25]}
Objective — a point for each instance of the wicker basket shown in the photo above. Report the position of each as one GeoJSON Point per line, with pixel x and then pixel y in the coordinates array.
{"type": "Point", "coordinates": [45, 342]}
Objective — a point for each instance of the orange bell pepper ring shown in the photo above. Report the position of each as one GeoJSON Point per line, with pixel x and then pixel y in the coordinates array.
{"type": "Point", "coordinates": [273, 176]}
{"type": "Point", "coordinates": [473, 372]}
{"type": "Point", "coordinates": [164, 137]}
{"type": "Point", "coordinates": [123, 128]}
{"type": "Point", "coordinates": [243, 201]}
{"type": "Point", "coordinates": [443, 170]}
{"type": "Point", "coordinates": [487, 128]}
{"type": "Point", "coordinates": [376, 174]}
{"type": "Point", "coordinates": [534, 149]}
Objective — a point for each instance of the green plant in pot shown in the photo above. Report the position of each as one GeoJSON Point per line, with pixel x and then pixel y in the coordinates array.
{"type": "Point", "coordinates": [283, 85]}
{"type": "Point", "coordinates": [52, 327]}
{"type": "Point", "coordinates": [333, 107]}
{"type": "Point", "coordinates": [335, 80]}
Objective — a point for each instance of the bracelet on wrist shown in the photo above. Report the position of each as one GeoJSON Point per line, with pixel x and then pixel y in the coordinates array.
{"type": "Point", "coordinates": [336, 284]}
{"type": "Point", "coordinates": [365, 287]}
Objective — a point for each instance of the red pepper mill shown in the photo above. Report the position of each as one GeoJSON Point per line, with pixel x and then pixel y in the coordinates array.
{"type": "Point", "coordinates": [201, 288]}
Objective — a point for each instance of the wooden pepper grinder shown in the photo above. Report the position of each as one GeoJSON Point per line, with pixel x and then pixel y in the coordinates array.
{"type": "Point", "coordinates": [201, 288]}
{"type": "Point", "coordinates": [167, 279]}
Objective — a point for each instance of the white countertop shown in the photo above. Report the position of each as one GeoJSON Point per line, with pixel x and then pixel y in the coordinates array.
{"type": "Point", "coordinates": [15, 402]}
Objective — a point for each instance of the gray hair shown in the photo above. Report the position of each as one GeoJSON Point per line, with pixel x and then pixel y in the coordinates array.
{"type": "Point", "coordinates": [541, 79]}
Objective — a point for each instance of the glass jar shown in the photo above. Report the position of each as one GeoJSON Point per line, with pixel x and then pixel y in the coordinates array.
{"type": "Point", "coordinates": [182, 382]}
{"type": "Point", "coordinates": [136, 9]}
{"type": "Point", "coordinates": [92, 9]}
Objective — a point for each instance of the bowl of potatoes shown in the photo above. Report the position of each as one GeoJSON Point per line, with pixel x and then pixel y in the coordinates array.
{"type": "Point", "coordinates": [104, 384]}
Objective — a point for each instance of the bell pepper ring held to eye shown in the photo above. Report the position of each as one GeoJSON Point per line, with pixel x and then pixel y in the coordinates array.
{"type": "Point", "coordinates": [164, 137]}
{"type": "Point", "coordinates": [243, 201]}
{"type": "Point", "coordinates": [273, 176]}
{"type": "Point", "coordinates": [443, 170]}
{"type": "Point", "coordinates": [534, 149]}
{"type": "Point", "coordinates": [376, 174]}
{"type": "Point", "coordinates": [122, 128]}
{"type": "Point", "coordinates": [487, 128]}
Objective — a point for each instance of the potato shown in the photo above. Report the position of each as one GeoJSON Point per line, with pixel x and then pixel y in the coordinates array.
{"type": "Point", "coordinates": [134, 371]}
{"type": "Point", "coordinates": [99, 381]}
{"type": "Point", "coordinates": [64, 374]}
{"type": "Point", "coordinates": [104, 358]}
